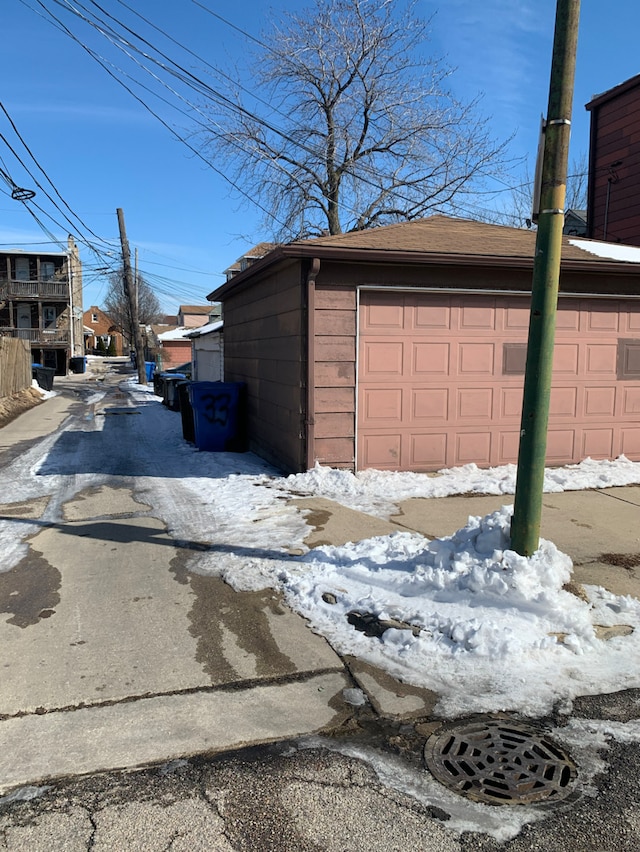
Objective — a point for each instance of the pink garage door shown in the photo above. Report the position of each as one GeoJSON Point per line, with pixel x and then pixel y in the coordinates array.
{"type": "Point", "coordinates": [440, 380]}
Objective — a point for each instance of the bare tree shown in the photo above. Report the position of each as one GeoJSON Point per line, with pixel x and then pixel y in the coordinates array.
{"type": "Point", "coordinates": [116, 304]}
{"type": "Point", "coordinates": [362, 129]}
{"type": "Point", "coordinates": [517, 210]}
{"type": "Point", "coordinates": [577, 180]}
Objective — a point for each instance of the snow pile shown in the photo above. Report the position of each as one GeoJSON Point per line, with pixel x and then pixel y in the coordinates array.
{"type": "Point", "coordinates": [492, 630]}
{"type": "Point", "coordinates": [378, 491]}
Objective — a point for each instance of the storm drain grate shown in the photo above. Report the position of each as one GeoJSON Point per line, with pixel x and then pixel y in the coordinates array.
{"type": "Point", "coordinates": [500, 762]}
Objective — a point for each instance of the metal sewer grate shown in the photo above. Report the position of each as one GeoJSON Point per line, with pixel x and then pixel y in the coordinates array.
{"type": "Point", "coordinates": [500, 762]}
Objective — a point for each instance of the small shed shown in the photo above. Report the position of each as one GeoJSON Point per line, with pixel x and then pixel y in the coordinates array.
{"type": "Point", "coordinates": [207, 353]}
{"type": "Point", "coordinates": [403, 348]}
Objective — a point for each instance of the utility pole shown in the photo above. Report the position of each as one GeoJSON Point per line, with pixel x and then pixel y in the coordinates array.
{"type": "Point", "coordinates": [133, 305]}
{"type": "Point", "coordinates": [525, 526]}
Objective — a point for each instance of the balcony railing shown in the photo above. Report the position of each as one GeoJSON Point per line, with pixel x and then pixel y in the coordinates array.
{"type": "Point", "coordinates": [13, 289]}
{"type": "Point", "coordinates": [43, 337]}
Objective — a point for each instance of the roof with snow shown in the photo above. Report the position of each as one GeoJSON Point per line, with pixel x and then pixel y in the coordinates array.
{"type": "Point", "coordinates": [180, 333]}
{"type": "Point", "coordinates": [206, 329]}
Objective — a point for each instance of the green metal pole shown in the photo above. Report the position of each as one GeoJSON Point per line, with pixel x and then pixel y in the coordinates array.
{"type": "Point", "coordinates": [525, 526]}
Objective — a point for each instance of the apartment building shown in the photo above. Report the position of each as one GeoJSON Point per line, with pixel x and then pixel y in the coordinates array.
{"type": "Point", "coordinates": [41, 302]}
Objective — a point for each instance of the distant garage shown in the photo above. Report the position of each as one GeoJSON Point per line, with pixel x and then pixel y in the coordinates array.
{"type": "Point", "coordinates": [403, 348]}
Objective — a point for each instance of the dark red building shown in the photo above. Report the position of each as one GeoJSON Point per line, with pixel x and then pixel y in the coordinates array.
{"type": "Point", "coordinates": [614, 165]}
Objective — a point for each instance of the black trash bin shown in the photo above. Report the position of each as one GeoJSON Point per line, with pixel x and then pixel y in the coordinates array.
{"type": "Point", "coordinates": [219, 415]}
{"type": "Point", "coordinates": [170, 392]}
{"type": "Point", "coordinates": [43, 376]}
{"type": "Point", "coordinates": [78, 364]}
{"type": "Point", "coordinates": [158, 383]}
{"type": "Point", "coordinates": [186, 411]}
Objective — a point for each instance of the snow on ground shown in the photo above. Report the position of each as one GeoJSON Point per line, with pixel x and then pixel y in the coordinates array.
{"type": "Point", "coordinates": [485, 628]}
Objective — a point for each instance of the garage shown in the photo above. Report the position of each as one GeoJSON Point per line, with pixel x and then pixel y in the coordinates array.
{"type": "Point", "coordinates": [403, 348]}
{"type": "Point", "coordinates": [440, 378]}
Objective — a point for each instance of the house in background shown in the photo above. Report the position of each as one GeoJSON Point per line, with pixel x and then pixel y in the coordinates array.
{"type": "Point", "coordinates": [244, 262]}
{"type": "Point", "coordinates": [403, 348]}
{"type": "Point", "coordinates": [41, 302]}
{"type": "Point", "coordinates": [173, 347]}
{"type": "Point", "coordinates": [193, 316]}
{"type": "Point", "coordinates": [99, 325]}
{"type": "Point", "coordinates": [575, 223]}
{"type": "Point", "coordinates": [614, 165]}
{"type": "Point", "coordinates": [207, 354]}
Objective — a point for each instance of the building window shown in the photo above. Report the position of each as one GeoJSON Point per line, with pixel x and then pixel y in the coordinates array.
{"type": "Point", "coordinates": [94, 317]}
{"type": "Point", "coordinates": [48, 316]}
{"type": "Point", "coordinates": [47, 269]}
{"type": "Point", "coordinates": [22, 269]}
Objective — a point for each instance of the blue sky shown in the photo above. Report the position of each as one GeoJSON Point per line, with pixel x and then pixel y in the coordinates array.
{"type": "Point", "coordinates": [102, 150]}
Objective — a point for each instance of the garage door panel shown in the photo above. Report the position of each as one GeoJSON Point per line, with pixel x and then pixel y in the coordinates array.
{"type": "Point", "coordinates": [599, 401]}
{"type": "Point", "coordinates": [560, 444]}
{"type": "Point", "coordinates": [429, 451]}
{"type": "Point", "coordinates": [603, 317]}
{"type": "Point", "coordinates": [442, 385]}
{"type": "Point", "coordinates": [382, 451]}
{"type": "Point", "coordinates": [429, 404]}
{"type": "Point", "coordinates": [514, 358]}
{"type": "Point", "coordinates": [382, 406]}
{"type": "Point", "coordinates": [565, 359]}
{"type": "Point", "coordinates": [430, 359]}
{"type": "Point", "coordinates": [385, 315]}
{"type": "Point", "coordinates": [630, 441]}
{"type": "Point", "coordinates": [473, 447]}
{"type": "Point", "coordinates": [510, 403]}
{"type": "Point", "coordinates": [507, 445]}
{"type": "Point", "coordinates": [479, 315]}
{"type": "Point", "coordinates": [597, 443]}
{"type": "Point", "coordinates": [629, 359]}
{"type": "Point", "coordinates": [475, 404]}
{"type": "Point", "coordinates": [435, 315]}
{"type": "Point", "coordinates": [383, 359]}
{"type": "Point", "coordinates": [563, 402]}
{"type": "Point", "coordinates": [567, 318]}
{"type": "Point", "coordinates": [631, 403]}
{"type": "Point", "coordinates": [517, 317]}
{"type": "Point", "coordinates": [601, 358]}
{"type": "Point", "coordinates": [476, 359]}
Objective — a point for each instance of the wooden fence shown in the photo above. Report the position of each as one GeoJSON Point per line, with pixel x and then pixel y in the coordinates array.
{"type": "Point", "coordinates": [15, 366]}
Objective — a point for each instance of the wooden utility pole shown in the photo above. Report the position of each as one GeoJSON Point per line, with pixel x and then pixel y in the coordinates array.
{"type": "Point", "coordinates": [525, 526]}
{"type": "Point", "coordinates": [129, 289]}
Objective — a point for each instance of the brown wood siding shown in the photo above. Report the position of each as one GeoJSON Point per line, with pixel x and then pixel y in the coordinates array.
{"type": "Point", "coordinates": [264, 346]}
{"type": "Point", "coordinates": [615, 136]}
{"type": "Point", "coordinates": [335, 372]}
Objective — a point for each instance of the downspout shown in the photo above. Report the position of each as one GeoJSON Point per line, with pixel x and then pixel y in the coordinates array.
{"type": "Point", "coordinates": [310, 421]}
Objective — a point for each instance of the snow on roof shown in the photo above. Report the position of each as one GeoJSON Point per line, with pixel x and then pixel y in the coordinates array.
{"type": "Point", "coordinates": [612, 251]}
{"type": "Point", "coordinates": [175, 334]}
{"type": "Point", "coordinates": [206, 329]}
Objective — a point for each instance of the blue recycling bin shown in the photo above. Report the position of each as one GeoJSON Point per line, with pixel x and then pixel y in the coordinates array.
{"type": "Point", "coordinates": [219, 415]}
{"type": "Point", "coordinates": [150, 368]}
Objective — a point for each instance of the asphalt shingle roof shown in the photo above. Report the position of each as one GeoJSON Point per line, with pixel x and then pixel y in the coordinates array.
{"type": "Point", "coordinates": [445, 235]}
